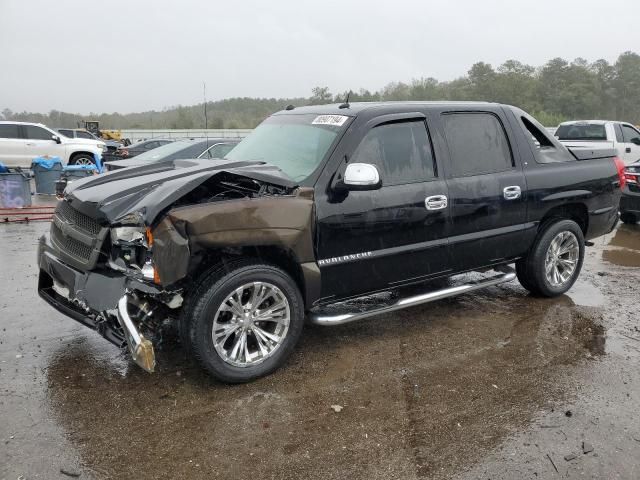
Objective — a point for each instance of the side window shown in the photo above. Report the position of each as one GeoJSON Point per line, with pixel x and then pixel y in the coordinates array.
{"type": "Point", "coordinates": [9, 131]}
{"type": "Point", "coordinates": [401, 151]}
{"type": "Point", "coordinates": [631, 135]}
{"type": "Point", "coordinates": [477, 144]}
{"type": "Point", "coordinates": [151, 145]}
{"type": "Point", "coordinates": [37, 133]}
{"type": "Point", "coordinates": [66, 133]}
{"type": "Point", "coordinates": [219, 151]}
{"type": "Point", "coordinates": [618, 130]}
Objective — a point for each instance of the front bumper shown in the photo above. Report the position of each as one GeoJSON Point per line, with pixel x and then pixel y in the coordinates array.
{"type": "Point", "coordinates": [97, 299]}
{"type": "Point", "coordinates": [630, 202]}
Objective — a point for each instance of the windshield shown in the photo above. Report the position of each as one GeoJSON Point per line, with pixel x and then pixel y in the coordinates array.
{"type": "Point", "coordinates": [294, 143]}
{"type": "Point", "coordinates": [163, 151]}
{"type": "Point", "coordinates": [582, 131]}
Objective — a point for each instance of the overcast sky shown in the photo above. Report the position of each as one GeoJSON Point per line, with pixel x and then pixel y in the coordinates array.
{"type": "Point", "coordinates": [135, 55]}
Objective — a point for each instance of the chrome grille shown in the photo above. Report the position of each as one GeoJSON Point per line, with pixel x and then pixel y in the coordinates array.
{"type": "Point", "coordinates": [70, 245]}
{"type": "Point", "coordinates": [77, 237]}
{"type": "Point", "coordinates": [66, 212]}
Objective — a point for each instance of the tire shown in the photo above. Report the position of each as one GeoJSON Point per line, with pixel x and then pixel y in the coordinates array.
{"type": "Point", "coordinates": [630, 218]}
{"type": "Point", "coordinates": [82, 159]}
{"type": "Point", "coordinates": [211, 306]}
{"type": "Point", "coordinates": [532, 270]}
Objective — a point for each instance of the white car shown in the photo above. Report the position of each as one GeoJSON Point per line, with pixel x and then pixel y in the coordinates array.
{"type": "Point", "coordinates": [21, 142]}
{"type": "Point", "coordinates": [621, 136]}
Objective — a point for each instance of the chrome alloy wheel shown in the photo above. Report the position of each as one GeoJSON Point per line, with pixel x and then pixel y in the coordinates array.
{"type": "Point", "coordinates": [251, 324]}
{"type": "Point", "coordinates": [84, 161]}
{"type": "Point", "coordinates": [561, 260]}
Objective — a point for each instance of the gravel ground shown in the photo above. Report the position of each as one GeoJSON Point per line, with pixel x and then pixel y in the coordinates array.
{"type": "Point", "coordinates": [495, 384]}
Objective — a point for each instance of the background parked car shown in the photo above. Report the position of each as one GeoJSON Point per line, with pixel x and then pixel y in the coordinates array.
{"type": "Point", "coordinates": [207, 148]}
{"type": "Point", "coordinates": [21, 142]}
{"type": "Point", "coordinates": [623, 137]}
{"type": "Point", "coordinates": [112, 145]}
{"type": "Point", "coordinates": [630, 201]}
{"type": "Point", "coordinates": [141, 147]}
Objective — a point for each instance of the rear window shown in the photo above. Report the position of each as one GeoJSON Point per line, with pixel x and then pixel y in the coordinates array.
{"type": "Point", "coordinates": [477, 144]}
{"type": "Point", "coordinates": [580, 131]}
{"type": "Point", "coordinates": [9, 131]}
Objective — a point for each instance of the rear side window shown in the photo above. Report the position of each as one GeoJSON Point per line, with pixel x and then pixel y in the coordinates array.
{"type": "Point", "coordinates": [37, 133]}
{"type": "Point", "coordinates": [477, 144]}
{"type": "Point", "coordinates": [9, 131]}
{"type": "Point", "coordinates": [401, 151]}
{"type": "Point", "coordinates": [582, 132]}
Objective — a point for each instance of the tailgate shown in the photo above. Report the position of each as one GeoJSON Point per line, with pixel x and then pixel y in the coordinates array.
{"type": "Point", "coordinates": [592, 153]}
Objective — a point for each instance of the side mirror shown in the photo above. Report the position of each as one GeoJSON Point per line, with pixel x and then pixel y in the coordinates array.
{"type": "Point", "coordinates": [361, 176]}
{"type": "Point", "coordinates": [56, 139]}
{"type": "Point", "coordinates": [636, 141]}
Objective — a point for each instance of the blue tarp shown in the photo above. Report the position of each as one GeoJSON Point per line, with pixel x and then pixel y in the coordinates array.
{"type": "Point", "coordinates": [46, 162]}
{"type": "Point", "coordinates": [98, 158]}
{"type": "Point", "coordinates": [75, 168]}
{"type": "Point", "coordinates": [3, 169]}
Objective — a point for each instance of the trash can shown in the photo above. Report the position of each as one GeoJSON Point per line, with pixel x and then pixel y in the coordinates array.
{"type": "Point", "coordinates": [15, 188]}
{"type": "Point", "coordinates": [71, 173]}
{"type": "Point", "coordinates": [47, 171]}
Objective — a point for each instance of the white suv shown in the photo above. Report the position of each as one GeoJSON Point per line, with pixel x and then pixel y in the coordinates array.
{"type": "Point", "coordinates": [21, 142]}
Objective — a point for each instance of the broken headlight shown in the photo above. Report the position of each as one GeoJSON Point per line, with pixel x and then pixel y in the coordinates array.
{"type": "Point", "coordinates": [132, 250]}
{"type": "Point", "coordinates": [129, 235]}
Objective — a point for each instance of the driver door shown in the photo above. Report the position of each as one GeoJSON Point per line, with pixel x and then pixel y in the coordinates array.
{"type": "Point", "coordinates": [384, 238]}
{"type": "Point", "coordinates": [631, 151]}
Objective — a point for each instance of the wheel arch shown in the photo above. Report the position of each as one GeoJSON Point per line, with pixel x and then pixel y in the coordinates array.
{"type": "Point", "coordinates": [74, 155]}
{"type": "Point", "coordinates": [575, 211]}
{"type": "Point", "coordinates": [276, 255]}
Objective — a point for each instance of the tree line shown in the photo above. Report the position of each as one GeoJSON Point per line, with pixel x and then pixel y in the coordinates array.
{"type": "Point", "coordinates": [554, 92]}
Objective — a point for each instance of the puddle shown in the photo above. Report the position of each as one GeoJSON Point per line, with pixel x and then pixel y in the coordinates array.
{"type": "Point", "coordinates": [622, 257]}
{"type": "Point", "coordinates": [424, 392]}
{"type": "Point", "coordinates": [626, 237]}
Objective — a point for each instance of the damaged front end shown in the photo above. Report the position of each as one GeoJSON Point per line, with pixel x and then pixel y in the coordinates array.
{"type": "Point", "coordinates": [117, 261]}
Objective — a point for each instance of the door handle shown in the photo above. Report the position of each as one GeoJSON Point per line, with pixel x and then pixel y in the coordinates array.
{"type": "Point", "coordinates": [628, 150]}
{"type": "Point", "coordinates": [436, 202]}
{"type": "Point", "coordinates": [31, 144]}
{"type": "Point", "coordinates": [512, 193]}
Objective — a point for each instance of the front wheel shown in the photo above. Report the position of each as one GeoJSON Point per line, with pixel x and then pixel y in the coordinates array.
{"type": "Point", "coordinates": [244, 321]}
{"type": "Point", "coordinates": [82, 159]}
{"type": "Point", "coordinates": [555, 260]}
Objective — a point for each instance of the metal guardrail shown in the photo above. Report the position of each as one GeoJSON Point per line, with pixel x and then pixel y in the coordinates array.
{"type": "Point", "coordinates": [136, 135]}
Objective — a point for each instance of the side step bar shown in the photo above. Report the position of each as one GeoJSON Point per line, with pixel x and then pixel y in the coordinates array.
{"type": "Point", "coordinates": [508, 274]}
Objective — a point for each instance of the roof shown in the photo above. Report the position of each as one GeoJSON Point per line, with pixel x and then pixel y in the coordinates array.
{"type": "Point", "coordinates": [592, 122]}
{"type": "Point", "coordinates": [22, 123]}
{"type": "Point", "coordinates": [357, 107]}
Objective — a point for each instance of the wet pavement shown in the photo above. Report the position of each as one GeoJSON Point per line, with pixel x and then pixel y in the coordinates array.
{"type": "Point", "coordinates": [495, 384]}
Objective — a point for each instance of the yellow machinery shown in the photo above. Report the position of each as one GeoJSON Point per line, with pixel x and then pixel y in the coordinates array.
{"type": "Point", "coordinates": [94, 127]}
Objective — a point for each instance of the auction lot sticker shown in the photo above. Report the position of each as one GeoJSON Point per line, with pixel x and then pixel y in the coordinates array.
{"type": "Point", "coordinates": [334, 120]}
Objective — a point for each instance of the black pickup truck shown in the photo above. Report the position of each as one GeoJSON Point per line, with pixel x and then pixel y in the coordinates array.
{"type": "Point", "coordinates": [318, 206]}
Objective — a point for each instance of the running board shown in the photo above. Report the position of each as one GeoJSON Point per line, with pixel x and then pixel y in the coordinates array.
{"type": "Point", "coordinates": [319, 318]}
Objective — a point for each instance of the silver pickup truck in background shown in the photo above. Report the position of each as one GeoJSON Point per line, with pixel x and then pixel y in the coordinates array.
{"type": "Point", "coordinates": [596, 134]}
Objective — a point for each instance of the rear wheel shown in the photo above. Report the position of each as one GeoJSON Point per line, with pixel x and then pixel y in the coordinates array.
{"type": "Point", "coordinates": [244, 321]}
{"type": "Point", "coordinates": [627, 217]}
{"type": "Point", "coordinates": [554, 263]}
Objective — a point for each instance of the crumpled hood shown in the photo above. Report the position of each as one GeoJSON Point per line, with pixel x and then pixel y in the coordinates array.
{"type": "Point", "coordinates": [149, 189]}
